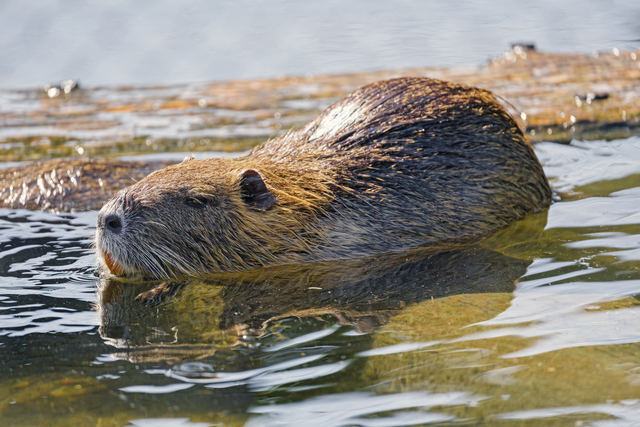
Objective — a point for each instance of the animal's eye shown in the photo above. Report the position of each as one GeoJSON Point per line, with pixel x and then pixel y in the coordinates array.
{"type": "Point", "coordinates": [196, 201]}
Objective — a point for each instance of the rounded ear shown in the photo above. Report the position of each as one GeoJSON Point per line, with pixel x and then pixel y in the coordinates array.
{"type": "Point", "coordinates": [254, 191]}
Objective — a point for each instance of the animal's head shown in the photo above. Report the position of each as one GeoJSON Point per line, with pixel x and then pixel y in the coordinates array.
{"type": "Point", "coordinates": [189, 218]}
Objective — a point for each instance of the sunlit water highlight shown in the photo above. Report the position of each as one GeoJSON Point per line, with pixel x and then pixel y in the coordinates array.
{"type": "Point", "coordinates": [171, 42]}
{"type": "Point", "coordinates": [562, 348]}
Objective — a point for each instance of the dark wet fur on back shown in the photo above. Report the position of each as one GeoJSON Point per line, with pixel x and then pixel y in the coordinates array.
{"type": "Point", "coordinates": [437, 149]}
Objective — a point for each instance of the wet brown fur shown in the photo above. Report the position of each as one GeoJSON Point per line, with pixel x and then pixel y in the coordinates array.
{"type": "Point", "coordinates": [397, 164]}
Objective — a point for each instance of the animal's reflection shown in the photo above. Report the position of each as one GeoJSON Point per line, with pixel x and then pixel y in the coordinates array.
{"type": "Point", "coordinates": [361, 292]}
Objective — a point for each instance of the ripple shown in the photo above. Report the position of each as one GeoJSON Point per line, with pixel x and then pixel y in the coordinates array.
{"type": "Point", "coordinates": [624, 414]}
{"type": "Point", "coordinates": [588, 162]}
{"type": "Point", "coordinates": [355, 409]}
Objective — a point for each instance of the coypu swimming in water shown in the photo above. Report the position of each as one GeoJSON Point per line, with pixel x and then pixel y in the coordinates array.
{"type": "Point", "coordinates": [395, 165]}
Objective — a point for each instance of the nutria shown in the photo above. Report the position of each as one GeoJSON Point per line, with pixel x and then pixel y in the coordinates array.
{"type": "Point", "coordinates": [396, 164]}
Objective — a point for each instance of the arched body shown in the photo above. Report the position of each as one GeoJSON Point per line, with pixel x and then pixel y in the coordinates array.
{"type": "Point", "coordinates": [395, 165]}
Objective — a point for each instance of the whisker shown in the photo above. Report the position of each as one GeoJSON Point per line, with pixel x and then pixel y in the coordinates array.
{"type": "Point", "coordinates": [156, 223]}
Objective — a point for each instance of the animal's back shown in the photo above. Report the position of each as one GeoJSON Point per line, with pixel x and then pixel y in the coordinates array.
{"type": "Point", "coordinates": [413, 161]}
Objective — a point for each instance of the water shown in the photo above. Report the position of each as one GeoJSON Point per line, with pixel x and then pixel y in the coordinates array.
{"type": "Point", "coordinates": [536, 325]}
{"type": "Point", "coordinates": [166, 42]}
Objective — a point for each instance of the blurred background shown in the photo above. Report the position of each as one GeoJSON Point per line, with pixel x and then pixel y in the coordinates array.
{"type": "Point", "coordinates": [167, 42]}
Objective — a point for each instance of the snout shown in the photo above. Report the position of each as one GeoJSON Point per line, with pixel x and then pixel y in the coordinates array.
{"type": "Point", "coordinates": [110, 228]}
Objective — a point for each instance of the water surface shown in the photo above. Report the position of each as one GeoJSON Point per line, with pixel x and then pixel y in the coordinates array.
{"type": "Point", "coordinates": [536, 325]}
{"type": "Point", "coordinates": [162, 42]}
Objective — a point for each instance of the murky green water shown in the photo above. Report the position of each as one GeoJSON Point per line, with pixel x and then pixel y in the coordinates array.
{"type": "Point", "coordinates": [536, 326]}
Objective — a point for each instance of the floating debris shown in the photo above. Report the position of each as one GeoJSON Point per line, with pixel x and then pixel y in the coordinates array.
{"type": "Point", "coordinates": [237, 115]}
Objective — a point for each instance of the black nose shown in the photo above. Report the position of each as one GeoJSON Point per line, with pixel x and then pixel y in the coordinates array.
{"type": "Point", "coordinates": [113, 223]}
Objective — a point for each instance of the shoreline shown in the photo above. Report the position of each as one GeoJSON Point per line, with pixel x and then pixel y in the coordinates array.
{"type": "Point", "coordinates": [555, 97]}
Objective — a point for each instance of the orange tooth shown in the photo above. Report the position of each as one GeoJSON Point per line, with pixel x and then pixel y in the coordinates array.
{"type": "Point", "coordinates": [113, 266]}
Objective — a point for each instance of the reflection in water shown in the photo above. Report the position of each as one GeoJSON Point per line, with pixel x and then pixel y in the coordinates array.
{"type": "Point", "coordinates": [359, 292]}
{"type": "Point", "coordinates": [295, 325]}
